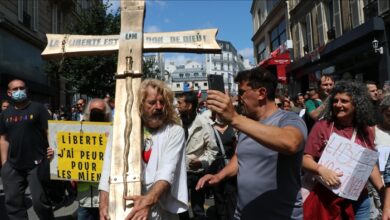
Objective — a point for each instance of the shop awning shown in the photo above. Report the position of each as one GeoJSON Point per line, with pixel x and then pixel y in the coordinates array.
{"type": "Point", "coordinates": [280, 58]}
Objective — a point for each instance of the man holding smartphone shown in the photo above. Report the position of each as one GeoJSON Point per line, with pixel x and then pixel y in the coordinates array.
{"type": "Point", "coordinates": [269, 152]}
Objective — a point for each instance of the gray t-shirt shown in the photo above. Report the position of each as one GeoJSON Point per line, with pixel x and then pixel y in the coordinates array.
{"type": "Point", "coordinates": [269, 182]}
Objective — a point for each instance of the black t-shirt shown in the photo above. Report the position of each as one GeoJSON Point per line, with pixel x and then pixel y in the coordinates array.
{"type": "Point", "coordinates": [228, 139]}
{"type": "Point", "coordinates": [25, 130]}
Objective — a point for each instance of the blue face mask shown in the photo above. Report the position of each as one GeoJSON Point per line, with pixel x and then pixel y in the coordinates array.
{"type": "Point", "coordinates": [19, 96]}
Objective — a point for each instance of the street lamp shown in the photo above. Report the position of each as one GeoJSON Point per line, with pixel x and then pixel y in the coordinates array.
{"type": "Point", "coordinates": [375, 45]}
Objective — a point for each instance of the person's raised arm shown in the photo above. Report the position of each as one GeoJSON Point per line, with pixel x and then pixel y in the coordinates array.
{"type": "Point", "coordinates": [269, 136]}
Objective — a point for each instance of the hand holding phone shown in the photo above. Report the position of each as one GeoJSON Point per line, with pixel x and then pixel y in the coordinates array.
{"type": "Point", "coordinates": [216, 82]}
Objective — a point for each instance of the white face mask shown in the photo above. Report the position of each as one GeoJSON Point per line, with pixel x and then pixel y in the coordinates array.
{"type": "Point", "coordinates": [19, 96]}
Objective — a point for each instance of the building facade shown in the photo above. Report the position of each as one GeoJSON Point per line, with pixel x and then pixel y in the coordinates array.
{"type": "Point", "coordinates": [333, 37]}
{"type": "Point", "coordinates": [23, 25]}
{"type": "Point", "coordinates": [189, 77]}
{"type": "Point", "coordinates": [228, 63]}
{"type": "Point", "coordinates": [157, 64]}
{"type": "Point", "coordinates": [337, 38]}
{"type": "Point", "coordinates": [271, 41]}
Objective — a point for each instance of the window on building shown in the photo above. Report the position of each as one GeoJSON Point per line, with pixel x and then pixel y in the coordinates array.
{"type": "Point", "coordinates": [24, 14]}
{"type": "Point", "coordinates": [177, 85]}
{"type": "Point", "coordinates": [221, 66]}
{"type": "Point", "coordinates": [196, 74]}
{"type": "Point", "coordinates": [35, 21]}
{"type": "Point", "coordinates": [261, 51]}
{"type": "Point", "coordinates": [205, 84]}
{"type": "Point", "coordinates": [306, 33]}
{"type": "Point", "coordinates": [356, 13]}
{"type": "Point", "coordinates": [196, 84]}
{"type": "Point", "coordinates": [259, 16]}
{"type": "Point", "coordinates": [271, 4]}
{"type": "Point", "coordinates": [79, 4]}
{"type": "Point", "coordinates": [203, 74]}
{"type": "Point", "coordinates": [370, 8]}
{"type": "Point", "coordinates": [188, 75]}
{"type": "Point", "coordinates": [278, 35]}
{"type": "Point", "coordinates": [56, 19]}
{"type": "Point", "coordinates": [337, 18]}
{"type": "Point", "coordinates": [320, 24]}
{"type": "Point", "coordinates": [329, 18]}
{"type": "Point", "coordinates": [181, 75]}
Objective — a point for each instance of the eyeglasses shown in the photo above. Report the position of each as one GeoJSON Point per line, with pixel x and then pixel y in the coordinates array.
{"type": "Point", "coordinates": [79, 104]}
{"type": "Point", "coordinates": [241, 92]}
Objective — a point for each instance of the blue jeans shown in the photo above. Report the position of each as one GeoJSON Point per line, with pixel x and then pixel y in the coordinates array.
{"type": "Point", "coordinates": [362, 208]}
{"type": "Point", "coordinates": [88, 213]}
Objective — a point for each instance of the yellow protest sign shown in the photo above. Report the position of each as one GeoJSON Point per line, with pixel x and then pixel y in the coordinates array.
{"type": "Point", "coordinates": [79, 149]}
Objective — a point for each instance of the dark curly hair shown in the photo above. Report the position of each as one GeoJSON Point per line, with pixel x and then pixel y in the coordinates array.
{"type": "Point", "coordinates": [364, 114]}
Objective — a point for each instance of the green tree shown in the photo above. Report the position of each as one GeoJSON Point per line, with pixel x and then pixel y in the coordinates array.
{"type": "Point", "coordinates": [92, 75]}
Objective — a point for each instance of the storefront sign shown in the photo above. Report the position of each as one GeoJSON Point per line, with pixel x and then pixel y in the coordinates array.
{"type": "Point", "coordinates": [79, 149]}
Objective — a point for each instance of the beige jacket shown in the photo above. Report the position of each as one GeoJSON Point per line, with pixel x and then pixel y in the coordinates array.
{"type": "Point", "coordinates": [201, 143]}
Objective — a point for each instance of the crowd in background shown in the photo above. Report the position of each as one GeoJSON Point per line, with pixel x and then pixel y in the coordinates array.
{"type": "Point", "coordinates": [217, 135]}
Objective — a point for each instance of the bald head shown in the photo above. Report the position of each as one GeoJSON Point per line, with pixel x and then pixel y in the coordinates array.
{"type": "Point", "coordinates": [98, 110]}
{"type": "Point", "coordinates": [98, 104]}
{"type": "Point", "coordinates": [15, 83]}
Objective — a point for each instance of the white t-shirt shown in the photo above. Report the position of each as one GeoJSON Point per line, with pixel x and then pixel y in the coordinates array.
{"type": "Point", "coordinates": [167, 162]}
{"type": "Point", "coordinates": [381, 137]}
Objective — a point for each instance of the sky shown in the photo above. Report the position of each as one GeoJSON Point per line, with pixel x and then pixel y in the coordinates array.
{"type": "Point", "coordinates": [232, 18]}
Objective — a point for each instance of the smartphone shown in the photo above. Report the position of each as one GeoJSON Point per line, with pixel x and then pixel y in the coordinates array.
{"type": "Point", "coordinates": [216, 82]}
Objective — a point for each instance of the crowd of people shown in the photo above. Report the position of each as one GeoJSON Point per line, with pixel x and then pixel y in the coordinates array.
{"type": "Point", "coordinates": [258, 154]}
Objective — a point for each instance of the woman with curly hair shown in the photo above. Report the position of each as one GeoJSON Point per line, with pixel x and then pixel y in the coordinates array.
{"type": "Point", "coordinates": [348, 113]}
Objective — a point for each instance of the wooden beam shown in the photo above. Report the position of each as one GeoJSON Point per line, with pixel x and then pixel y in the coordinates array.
{"type": "Point", "coordinates": [125, 177]}
{"type": "Point", "coordinates": [194, 41]}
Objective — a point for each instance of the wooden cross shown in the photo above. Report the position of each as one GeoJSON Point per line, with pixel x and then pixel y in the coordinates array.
{"type": "Point", "coordinates": [125, 177]}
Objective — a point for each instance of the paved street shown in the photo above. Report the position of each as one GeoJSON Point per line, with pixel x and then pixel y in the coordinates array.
{"type": "Point", "coordinates": [64, 213]}
{"type": "Point", "coordinates": [69, 212]}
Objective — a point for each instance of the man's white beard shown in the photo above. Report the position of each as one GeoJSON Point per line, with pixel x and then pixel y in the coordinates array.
{"type": "Point", "coordinates": [153, 121]}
